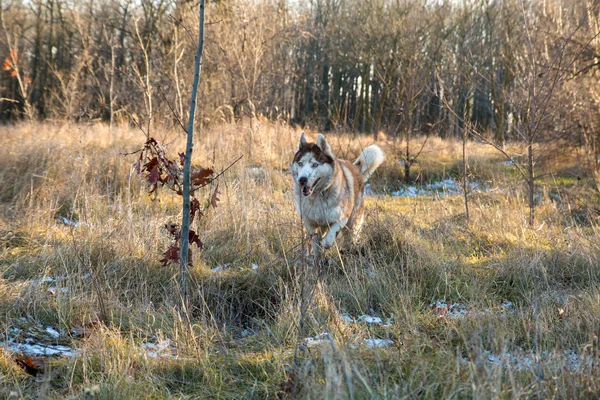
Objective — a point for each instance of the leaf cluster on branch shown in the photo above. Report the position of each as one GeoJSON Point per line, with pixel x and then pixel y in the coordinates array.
{"type": "Point", "coordinates": [159, 170]}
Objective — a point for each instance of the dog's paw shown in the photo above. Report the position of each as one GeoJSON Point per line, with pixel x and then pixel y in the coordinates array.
{"type": "Point", "coordinates": [328, 241]}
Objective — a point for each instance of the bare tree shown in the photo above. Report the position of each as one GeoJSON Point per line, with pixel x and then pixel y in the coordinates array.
{"type": "Point", "coordinates": [185, 223]}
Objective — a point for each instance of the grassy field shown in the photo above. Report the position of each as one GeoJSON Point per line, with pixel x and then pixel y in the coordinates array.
{"type": "Point", "coordinates": [485, 308]}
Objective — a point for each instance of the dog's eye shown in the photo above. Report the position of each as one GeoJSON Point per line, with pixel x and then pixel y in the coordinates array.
{"type": "Point", "coordinates": [315, 165]}
{"type": "Point", "coordinates": [300, 163]}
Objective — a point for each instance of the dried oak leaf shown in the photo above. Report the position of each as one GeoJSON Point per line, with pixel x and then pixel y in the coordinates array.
{"type": "Point", "coordinates": [194, 208]}
{"type": "Point", "coordinates": [194, 238]}
{"type": "Point", "coordinates": [150, 164]}
{"type": "Point", "coordinates": [171, 255]}
{"type": "Point", "coordinates": [200, 176]}
{"type": "Point", "coordinates": [33, 366]}
{"type": "Point", "coordinates": [214, 199]}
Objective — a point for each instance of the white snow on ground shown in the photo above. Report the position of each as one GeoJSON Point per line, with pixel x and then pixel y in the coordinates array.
{"type": "Point", "coordinates": [69, 222]}
{"type": "Point", "coordinates": [457, 310]}
{"type": "Point", "coordinates": [48, 279]}
{"type": "Point", "coordinates": [223, 267]}
{"type": "Point", "coordinates": [378, 342]}
{"type": "Point", "coordinates": [161, 349]}
{"type": "Point", "coordinates": [52, 332]}
{"type": "Point", "coordinates": [30, 342]}
{"type": "Point", "coordinates": [317, 340]}
{"type": "Point", "coordinates": [325, 337]}
{"type": "Point", "coordinates": [348, 318]}
{"type": "Point", "coordinates": [45, 279]}
{"type": "Point", "coordinates": [220, 267]}
{"type": "Point", "coordinates": [54, 290]}
{"type": "Point", "coordinates": [568, 360]}
{"type": "Point", "coordinates": [369, 319]}
{"type": "Point", "coordinates": [39, 349]}
{"type": "Point", "coordinates": [447, 187]}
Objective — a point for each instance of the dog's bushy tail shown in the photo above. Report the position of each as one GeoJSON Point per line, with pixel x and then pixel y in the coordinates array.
{"type": "Point", "coordinates": [369, 160]}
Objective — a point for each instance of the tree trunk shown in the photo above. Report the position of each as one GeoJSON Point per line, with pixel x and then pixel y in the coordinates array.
{"type": "Point", "coordinates": [185, 223]}
{"type": "Point", "coordinates": [531, 182]}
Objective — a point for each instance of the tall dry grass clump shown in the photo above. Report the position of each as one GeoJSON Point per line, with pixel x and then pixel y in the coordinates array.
{"type": "Point", "coordinates": [479, 308]}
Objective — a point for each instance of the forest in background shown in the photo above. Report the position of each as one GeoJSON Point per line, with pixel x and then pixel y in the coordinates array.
{"type": "Point", "coordinates": [396, 66]}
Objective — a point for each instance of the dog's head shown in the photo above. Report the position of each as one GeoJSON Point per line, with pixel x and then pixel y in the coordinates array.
{"type": "Point", "coordinates": [312, 167]}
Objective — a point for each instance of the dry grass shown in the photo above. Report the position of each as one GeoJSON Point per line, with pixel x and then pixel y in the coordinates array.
{"type": "Point", "coordinates": [243, 329]}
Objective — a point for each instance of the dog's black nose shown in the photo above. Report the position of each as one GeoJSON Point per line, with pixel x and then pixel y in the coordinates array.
{"type": "Point", "coordinates": [302, 180]}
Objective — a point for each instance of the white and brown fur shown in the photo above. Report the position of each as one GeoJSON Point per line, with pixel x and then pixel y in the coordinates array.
{"type": "Point", "coordinates": [329, 191]}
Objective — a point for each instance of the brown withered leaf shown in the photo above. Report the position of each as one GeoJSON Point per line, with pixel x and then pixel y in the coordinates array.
{"type": "Point", "coordinates": [194, 208]}
{"type": "Point", "coordinates": [201, 176]}
{"type": "Point", "coordinates": [194, 238]}
{"type": "Point", "coordinates": [150, 164]}
{"type": "Point", "coordinates": [33, 366]}
{"type": "Point", "coordinates": [171, 255]}
{"type": "Point", "coordinates": [214, 199]}
{"type": "Point", "coordinates": [153, 176]}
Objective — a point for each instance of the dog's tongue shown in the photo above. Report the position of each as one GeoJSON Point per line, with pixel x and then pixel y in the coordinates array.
{"type": "Point", "coordinates": [306, 190]}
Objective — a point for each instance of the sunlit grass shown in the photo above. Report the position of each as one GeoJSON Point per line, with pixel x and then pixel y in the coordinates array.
{"type": "Point", "coordinates": [245, 336]}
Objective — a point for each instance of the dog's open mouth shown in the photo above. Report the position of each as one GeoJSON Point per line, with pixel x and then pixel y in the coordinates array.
{"type": "Point", "coordinates": [307, 190]}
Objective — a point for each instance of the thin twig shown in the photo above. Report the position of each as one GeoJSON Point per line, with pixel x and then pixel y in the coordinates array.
{"type": "Point", "coordinates": [219, 174]}
{"type": "Point", "coordinates": [172, 110]}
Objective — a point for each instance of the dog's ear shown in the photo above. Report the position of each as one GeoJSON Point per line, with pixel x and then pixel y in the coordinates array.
{"type": "Point", "coordinates": [324, 146]}
{"type": "Point", "coordinates": [302, 140]}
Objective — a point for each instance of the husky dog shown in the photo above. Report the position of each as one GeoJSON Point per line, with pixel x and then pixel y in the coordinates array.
{"type": "Point", "coordinates": [329, 191]}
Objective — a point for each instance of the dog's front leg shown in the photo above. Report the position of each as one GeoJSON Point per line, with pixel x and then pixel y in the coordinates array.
{"type": "Point", "coordinates": [329, 238]}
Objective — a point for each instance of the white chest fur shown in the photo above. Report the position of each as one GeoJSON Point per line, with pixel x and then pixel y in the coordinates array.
{"type": "Point", "coordinates": [320, 209]}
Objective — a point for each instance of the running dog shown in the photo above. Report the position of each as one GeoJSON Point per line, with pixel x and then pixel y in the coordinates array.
{"type": "Point", "coordinates": [329, 191]}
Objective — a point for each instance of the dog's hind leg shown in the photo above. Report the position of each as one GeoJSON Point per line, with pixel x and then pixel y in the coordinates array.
{"type": "Point", "coordinates": [351, 233]}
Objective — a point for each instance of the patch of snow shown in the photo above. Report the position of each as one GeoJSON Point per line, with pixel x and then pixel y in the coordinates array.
{"type": "Point", "coordinates": [45, 279]}
{"type": "Point", "coordinates": [529, 361]}
{"type": "Point", "coordinates": [160, 349]}
{"type": "Point", "coordinates": [54, 290]}
{"type": "Point", "coordinates": [69, 222]}
{"type": "Point", "coordinates": [39, 349]}
{"type": "Point", "coordinates": [443, 309]}
{"type": "Point", "coordinates": [318, 339]}
{"type": "Point", "coordinates": [52, 332]}
{"type": "Point", "coordinates": [378, 342]}
{"type": "Point", "coordinates": [348, 318]}
{"type": "Point", "coordinates": [457, 310]}
{"type": "Point", "coordinates": [220, 267]}
{"type": "Point", "coordinates": [370, 319]}
{"type": "Point", "coordinates": [447, 187]}
{"type": "Point", "coordinates": [507, 304]}
{"type": "Point", "coordinates": [48, 279]}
